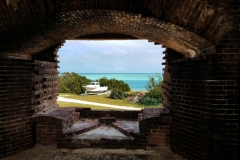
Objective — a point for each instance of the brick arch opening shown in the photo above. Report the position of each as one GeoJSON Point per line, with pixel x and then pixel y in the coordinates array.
{"type": "Point", "coordinates": [48, 59]}
{"type": "Point", "coordinates": [70, 25]}
{"type": "Point", "coordinates": [201, 93]}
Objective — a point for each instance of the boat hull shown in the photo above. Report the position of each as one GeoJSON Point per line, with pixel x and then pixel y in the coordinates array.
{"type": "Point", "coordinates": [96, 89]}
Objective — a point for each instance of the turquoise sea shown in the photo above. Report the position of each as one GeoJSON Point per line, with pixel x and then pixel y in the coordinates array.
{"type": "Point", "coordinates": [136, 81]}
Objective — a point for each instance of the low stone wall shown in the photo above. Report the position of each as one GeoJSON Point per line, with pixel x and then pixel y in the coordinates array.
{"type": "Point", "coordinates": [155, 131]}
{"type": "Point", "coordinates": [158, 135]}
{"type": "Point", "coordinates": [48, 129]}
{"type": "Point", "coordinates": [126, 115]}
{"type": "Point", "coordinates": [46, 133]}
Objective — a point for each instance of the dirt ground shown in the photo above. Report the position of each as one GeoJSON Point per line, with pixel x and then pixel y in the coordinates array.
{"type": "Point", "coordinates": [50, 152]}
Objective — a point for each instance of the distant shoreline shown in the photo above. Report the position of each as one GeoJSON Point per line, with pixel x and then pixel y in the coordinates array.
{"type": "Point", "coordinates": [136, 90]}
{"type": "Point", "coordinates": [115, 73]}
{"type": "Point", "coordinates": [136, 81]}
{"type": "Point", "coordinates": [139, 91]}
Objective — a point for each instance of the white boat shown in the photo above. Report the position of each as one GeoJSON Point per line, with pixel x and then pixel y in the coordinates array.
{"type": "Point", "coordinates": [95, 87]}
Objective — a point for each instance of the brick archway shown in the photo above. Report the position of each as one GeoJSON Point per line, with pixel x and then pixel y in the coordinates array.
{"type": "Point", "coordinates": [71, 25]}
{"type": "Point", "coordinates": [201, 77]}
{"type": "Point", "coordinates": [189, 28]}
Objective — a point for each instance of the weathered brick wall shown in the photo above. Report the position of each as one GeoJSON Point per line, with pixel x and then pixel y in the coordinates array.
{"type": "Point", "coordinates": [27, 87]}
{"type": "Point", "coordinates": [49, 54]}
{"type": "Point", "coordinates": [46, 133]}
{"type": "Point", "coordinates": [16, 128]}
{"type": "Point", "coordinates": [223, 98]}
{"type": "Point", "coordinates": [188, 131]}
{"type": "Point", "coordinates": [158, 132]}
{"type": "Point", "coordinates": [158, 135]}
{"type": "Point", "coordinates": [170, 56]}
{"type": "Point", "coordinates": [45, 80]}
{"type": "Point", "coordinates": [154, 131]}
{"type": "Point", "coordinates": [48, 129]}
{"type": "Point", "coordinates": [204, 96]}
{"type": "Point", "coordinates": [45, 86]}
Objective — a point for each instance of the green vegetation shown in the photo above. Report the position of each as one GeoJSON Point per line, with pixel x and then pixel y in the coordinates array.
{"type": "Point", "coordinates": [117, 94]}
{"type": "Point", "coordinates": [114, 84]}
{"type": "Point", "coordinates": [154, 94]}
{"type": "Point", "coordinates": [96, 98]}
{"type": "Point", "coordinates": [72, 83]}
{"type": "Point", "coordinates": [148, 101]}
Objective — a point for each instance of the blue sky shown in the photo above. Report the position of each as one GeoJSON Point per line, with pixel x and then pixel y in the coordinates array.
{"type": "Point", "coordinates": [111, 56]}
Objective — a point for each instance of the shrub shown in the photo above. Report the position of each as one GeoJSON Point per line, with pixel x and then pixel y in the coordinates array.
{"type": "Point", "coordinates": [114, 84]}
{"type": "Point", "coordinates": [148, 100]}
{"type": "Point", "coordinates": [154, 94]}
{"type": "Point", "coordinates": [117, 94]}
{"type": "Point", "coordinates": [154, 86]}
{"type": "Point", "coordinates": [72, 83]}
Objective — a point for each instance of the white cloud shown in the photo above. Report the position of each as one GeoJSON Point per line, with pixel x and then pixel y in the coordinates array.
{"type": "Point", "coordinates": [135, 56]}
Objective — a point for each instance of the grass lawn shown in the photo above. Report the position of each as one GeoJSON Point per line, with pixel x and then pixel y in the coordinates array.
{"type": "Point", "coordinates": [77, 105]}
{"type": "Point", "coordinates": [98, 99]}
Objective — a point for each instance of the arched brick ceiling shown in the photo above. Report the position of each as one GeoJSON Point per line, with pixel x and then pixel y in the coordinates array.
{"type": "Point", "coordinates": [189, 27]}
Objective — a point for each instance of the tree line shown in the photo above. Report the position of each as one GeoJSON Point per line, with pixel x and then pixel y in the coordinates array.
{"type": "Point", "coordinates": [73, 83]}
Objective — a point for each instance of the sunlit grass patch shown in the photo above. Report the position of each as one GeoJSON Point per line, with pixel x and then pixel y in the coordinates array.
{"type": "Point", "coordinates": [101, 99]}
{"type": "Point", "coordinates": [98, 99]}
{"type": "Point", "coordinates": [77, 105]}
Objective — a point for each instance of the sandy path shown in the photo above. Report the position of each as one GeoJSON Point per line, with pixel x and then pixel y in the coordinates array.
{"type": "Point", "coordinates": [95, 103]}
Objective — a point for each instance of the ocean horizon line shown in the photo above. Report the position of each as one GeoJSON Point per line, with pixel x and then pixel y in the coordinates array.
{"type": "Point", "coordinates": [116, 73]}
